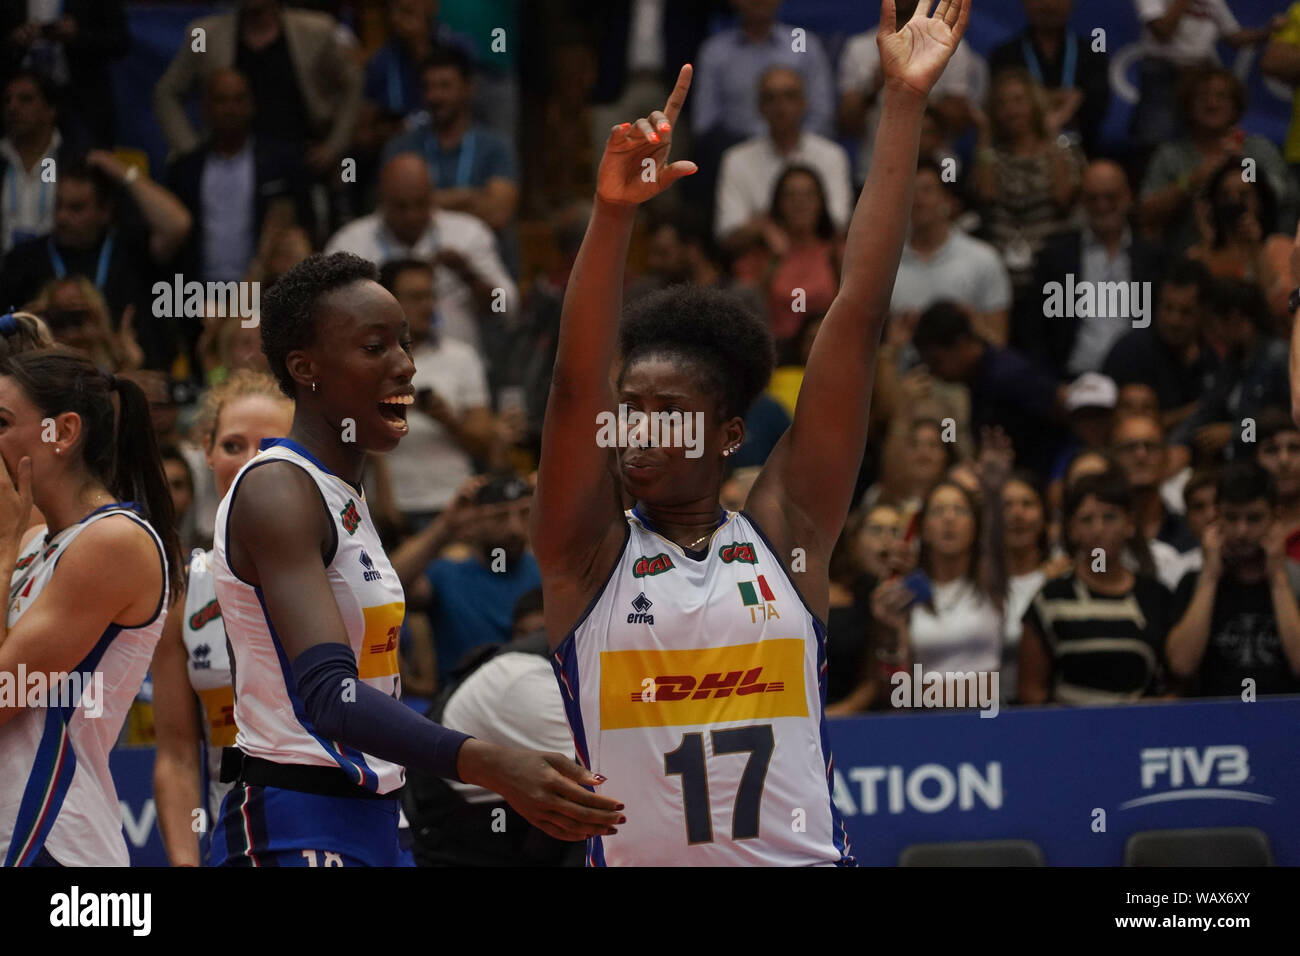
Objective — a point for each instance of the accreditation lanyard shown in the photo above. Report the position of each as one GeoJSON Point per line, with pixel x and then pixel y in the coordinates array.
{"type": "Point", "coordinates": [101, 269]}
{"type": "Point", "coordinates": [463, 164]}
{"type": "Point", "coordinates": [1068, 67]}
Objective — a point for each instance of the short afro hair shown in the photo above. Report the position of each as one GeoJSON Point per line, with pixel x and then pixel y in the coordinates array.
{"type": "Point", "coordinates": [729, 347]}
{"type": "Point", "coordinates": [288, 316]}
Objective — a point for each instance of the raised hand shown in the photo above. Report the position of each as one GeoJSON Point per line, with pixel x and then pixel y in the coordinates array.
{"type": "Point", "coordinates": [635, 166]}
{"type": "Point", "coordinates": [913, 55]}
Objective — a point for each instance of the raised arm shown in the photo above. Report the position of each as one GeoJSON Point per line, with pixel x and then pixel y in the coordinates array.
{"type": "Point", "coordinates": [578, 504]}
{"type": "Point", "coordinates": [804, 492]}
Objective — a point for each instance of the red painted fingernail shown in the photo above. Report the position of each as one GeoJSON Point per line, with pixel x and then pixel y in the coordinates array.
{"type": "Point", "coordinates": [624, 126]}
{"type": "Point", "coordinates": [619, 807]}
{"type": "Point", "coordinates": [654, 137]}
{"type": "Point", "coordinates": [665, 126]}
{"type": "Point", "coordinates": [622, 820]}
{"type": "Point", "coordinates": [600, 778]}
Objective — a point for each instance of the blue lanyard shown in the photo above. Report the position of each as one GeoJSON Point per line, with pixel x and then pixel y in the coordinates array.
{"type": "Point", "coordinates": [396, 95]}
{"type": "Point", "coordinates": [101, 269]}
{"type": "Point", "coordinates": [463, 163]}
{"type": "Point", "coordinates": [1068, 68]}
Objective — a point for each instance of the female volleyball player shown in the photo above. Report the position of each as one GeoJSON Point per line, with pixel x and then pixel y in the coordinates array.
{"type": "Point", "coordinates": [191, 658]}
{"type": "Point", "coordinates": [87, 599]}
{"type": "Point", "coordinates": [312, 607]}
{"type": "Point", "coordinates": [690, 642]}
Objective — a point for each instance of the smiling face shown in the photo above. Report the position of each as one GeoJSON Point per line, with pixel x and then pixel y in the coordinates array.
{"type": "Point", "coordinates": [241, 425]}
{"type": "Point", "coordinates": [361, 362]}
{"type": "Point", "coordinates": [665, 475]}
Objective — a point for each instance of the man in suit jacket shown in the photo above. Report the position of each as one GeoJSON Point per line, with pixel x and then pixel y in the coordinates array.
{"type": "Point", "coordinates": [1103, 250]}
{"type": "Point", "coordinates": [74, 51]}
{"type": "Point", "coordinates": [235, 184]}
{"type": "Point", "coordinates": [306, 83]}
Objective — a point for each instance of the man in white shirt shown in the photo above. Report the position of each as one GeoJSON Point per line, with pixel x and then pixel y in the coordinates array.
{"type": "Point", "coordinates": [964, 84]}
{"type": "Point", "coordinates": [27, 182]}
{"type": "Point", "coordinates": [450, 423]}
{"type": "Point", "coordinates": [942, 262]}
{"type": "Point", "coordinates": [749, 170]}
{"type": "Point", "coordinates": [470, 280]}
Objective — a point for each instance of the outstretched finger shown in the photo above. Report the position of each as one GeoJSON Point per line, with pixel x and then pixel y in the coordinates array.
{"type": "Point", "coordinates": [962, 18]}
{"type": "Point", "coordinates": [941, 11]}
{"type": "Point", "coordinates": [922, 11]}
{"type": "Point", "coordinates": [677, 98]}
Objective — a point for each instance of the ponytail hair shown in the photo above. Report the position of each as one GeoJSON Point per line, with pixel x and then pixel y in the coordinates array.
{"type": "Point", "coordinates": [117, 447]}
{"type": "Point", "coordinates": [23, 332]}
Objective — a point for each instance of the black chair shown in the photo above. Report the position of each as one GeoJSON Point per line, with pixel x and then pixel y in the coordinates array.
{"type": "Point", "coordinates": [1216, 846]}
{"type": "Point", "coordinates": [973, 853]}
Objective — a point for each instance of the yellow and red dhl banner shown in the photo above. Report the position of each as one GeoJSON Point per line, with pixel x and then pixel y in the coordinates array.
{"type": "Point", "coordinates": [659, 688]}
{"type": "Point", "coordinates": [219, 708]}
{"type": "Point", "coordinates": [378, 657]}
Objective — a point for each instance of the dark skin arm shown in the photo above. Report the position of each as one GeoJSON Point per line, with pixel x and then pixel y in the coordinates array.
{"type": "Point", "coordinates": [803, 494]}
{"type": "Point", "coordinates": [279, 535]}
{"type": "Point", "coordinates": [576, 524]}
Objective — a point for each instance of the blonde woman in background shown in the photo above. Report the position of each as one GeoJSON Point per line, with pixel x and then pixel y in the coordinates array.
{"type": "Point", "coordinates": [193, 698]}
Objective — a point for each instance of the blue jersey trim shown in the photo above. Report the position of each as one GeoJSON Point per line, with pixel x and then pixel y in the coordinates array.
{"type": "Point", "coordinates": [297, 449]}
{"type": "Point", "coordinates": [839, 835]}
{"type": "Point", "coordinates": [564, 661]}
{"type": "Point", "coordinates": [348, 759]}
{"type": "Point", "coordinates": [37, 813]}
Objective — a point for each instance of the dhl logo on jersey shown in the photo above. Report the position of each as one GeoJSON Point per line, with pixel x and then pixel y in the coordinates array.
{"type": "Point", "coordinates": [219, 707]}
{"type": "Point", "coordinates": [662, 688]}
{"type": "Point", "coordinates": [378, 657]}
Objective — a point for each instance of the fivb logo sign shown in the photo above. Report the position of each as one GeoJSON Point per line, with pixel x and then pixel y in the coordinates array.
{"type": "Point", "coordinates": [1195, 773]}
{"type": "Point", "coordinates": [196, 300]}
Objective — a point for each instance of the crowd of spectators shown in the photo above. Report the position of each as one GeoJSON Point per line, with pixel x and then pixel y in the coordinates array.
{"type": "Point", "coordinates": [1102, 500]}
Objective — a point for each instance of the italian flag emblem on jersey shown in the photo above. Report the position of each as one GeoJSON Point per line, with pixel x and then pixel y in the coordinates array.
{"type": "Point", "coordinates": [752, 597]}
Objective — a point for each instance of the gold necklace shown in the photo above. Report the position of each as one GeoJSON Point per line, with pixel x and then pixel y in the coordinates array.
{"type": "Point", "coordinates": [692, 545]}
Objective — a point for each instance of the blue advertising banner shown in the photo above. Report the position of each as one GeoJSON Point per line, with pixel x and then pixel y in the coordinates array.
{"type": "Point", "coordinates": [1077, 781]}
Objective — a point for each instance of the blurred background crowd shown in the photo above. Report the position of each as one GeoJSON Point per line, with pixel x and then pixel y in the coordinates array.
{"type": "Point", "coordinates": [1143, 545]}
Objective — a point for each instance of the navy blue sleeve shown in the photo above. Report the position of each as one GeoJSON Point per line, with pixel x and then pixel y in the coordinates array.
{"type": "Point", "coordinates": [342, 707]}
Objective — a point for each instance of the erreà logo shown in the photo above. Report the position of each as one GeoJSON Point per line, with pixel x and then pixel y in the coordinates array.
{"type": "Point", "coordinates": [738, 551]}
{"type": "Point", "coordinates": [640, 611]}
{"type": "Point", "coordinates": [370, 573]}
{"type": "Point", "coordinates": [209, 612]}
{"type": "Point", "coordinates": [657, 564]}
{"type": "Point", "coordinates": [351, 520]}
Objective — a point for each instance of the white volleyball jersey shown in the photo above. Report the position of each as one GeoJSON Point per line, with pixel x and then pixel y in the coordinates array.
{"type": "Point", "coordinates": [697, 688]}
{"type": "Point", "coordinates": [272, 720]}
{"type": "Point", "coordinates": [208, 666]}
{"type": "Point", "coordinates": [56, 791]}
